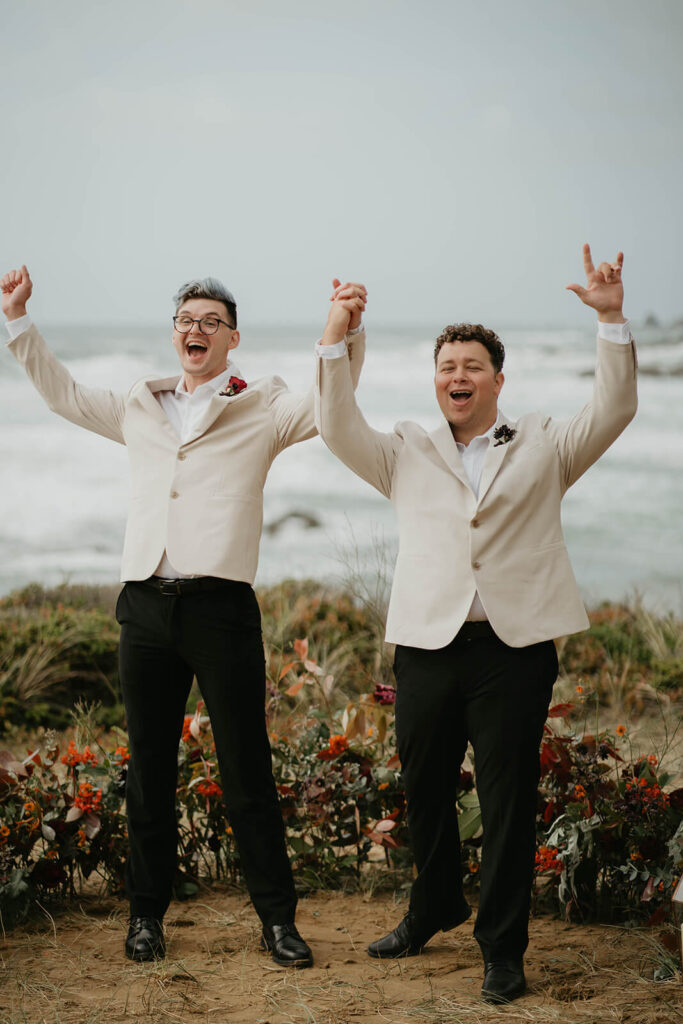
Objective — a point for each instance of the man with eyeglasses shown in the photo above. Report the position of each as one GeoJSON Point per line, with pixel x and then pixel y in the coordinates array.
{"type": "Point", "coordinates": [200, 447]}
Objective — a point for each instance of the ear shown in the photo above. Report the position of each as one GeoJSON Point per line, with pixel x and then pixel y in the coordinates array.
{"type": "Point", "coordinates": [234, 340]}
{"type": "Point", "coordinates": [499, 381]}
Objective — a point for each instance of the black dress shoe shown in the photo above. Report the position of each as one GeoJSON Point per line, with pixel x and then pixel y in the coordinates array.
{"type": "Point", "coordinates": [407, 939]}
{"type": "Point", "coordinates": [503, 981]}
{"type": "Point", "coordinates": [145, 939]}
{"type": "Point", "coordinates": [286, 946]}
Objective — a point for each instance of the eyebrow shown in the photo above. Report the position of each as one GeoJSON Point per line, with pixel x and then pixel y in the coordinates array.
{"type": "Point", "coordinates": [468, 362]}
{"type": "Point", "coordinates": [188, 312]}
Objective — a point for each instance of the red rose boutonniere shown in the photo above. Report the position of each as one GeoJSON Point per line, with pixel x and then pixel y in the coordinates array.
{"type": "Point", "coordinates": [503, 434]}
{"type": "Point", "coordinates": [234, 386]}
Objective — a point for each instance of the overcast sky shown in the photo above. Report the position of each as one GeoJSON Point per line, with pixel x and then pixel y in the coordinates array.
{"type": "Point", "coordinates": [452, 155]}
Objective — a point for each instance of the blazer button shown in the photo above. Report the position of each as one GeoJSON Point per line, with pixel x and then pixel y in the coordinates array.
{"type": "Point", "coordinates": [476, 565]}
{"type": "Point", "coordinates": [475, 522]}
{"type": "Point", "coordinates": [174, 494]}
{"type": "Point", "coordinates": [182, 456]}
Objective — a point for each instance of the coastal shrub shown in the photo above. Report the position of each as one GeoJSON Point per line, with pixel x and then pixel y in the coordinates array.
{"type": "Point", "coordinates": [51, 655]}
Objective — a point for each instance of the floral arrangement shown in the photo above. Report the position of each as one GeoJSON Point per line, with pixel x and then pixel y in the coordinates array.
{"type": "Point", "coordinates": [609, 824]}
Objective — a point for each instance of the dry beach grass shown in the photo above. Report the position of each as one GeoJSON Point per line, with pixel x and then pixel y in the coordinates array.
{"type": "Point", "coordinates": [70, 970]}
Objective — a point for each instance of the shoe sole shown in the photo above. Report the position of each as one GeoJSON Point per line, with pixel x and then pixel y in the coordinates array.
{"type": "Point", "coordinates": [395, 956]}
{"type": "Point", "coordinates": [299, 964]}
{"type": "Point", "coordinates": [498, 1000]}
{"type": "Point", "coordinates": [143, 958]}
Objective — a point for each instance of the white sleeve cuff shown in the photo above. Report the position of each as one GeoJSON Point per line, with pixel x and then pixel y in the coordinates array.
{"type": "Point", "coordinates": [356, 330]}
{"type": "Point", "coordinates": [615, 332]}
{"type": "Point", "coordinates": [17, 327]}
{"type": "Point", "coordinates": [331, 351]}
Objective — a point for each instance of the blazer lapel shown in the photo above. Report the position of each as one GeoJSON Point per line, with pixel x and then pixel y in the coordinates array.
{"type": "Point", "coordinates": [218, 404]}
{"type": "Point", "coordinates": [443, 441]}
{"type": "Point", "coordinates": [493, 460]}
{"type": "Point", "coordinates": [145, 393]}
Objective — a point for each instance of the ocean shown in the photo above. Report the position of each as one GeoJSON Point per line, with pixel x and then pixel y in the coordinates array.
{"type": "Point", "coordinates": [65, 490]}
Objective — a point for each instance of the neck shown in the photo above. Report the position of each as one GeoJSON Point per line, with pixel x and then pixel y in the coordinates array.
{"type": "Point", "coordinates": [192, 383]}
{"type": "Point", "coordinates": [466, 434]}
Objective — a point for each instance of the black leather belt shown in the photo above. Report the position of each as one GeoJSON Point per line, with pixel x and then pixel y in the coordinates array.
{"type": "Point", "coordinates": [181, 588]}
{"type": "Point", "coordinates": [475, 631]}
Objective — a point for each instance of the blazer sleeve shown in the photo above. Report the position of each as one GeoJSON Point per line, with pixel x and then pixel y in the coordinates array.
{"type": "Point", "coordinates": [369, 453]}
{"type": "Point", "coordinates": [295, 414]}
{"type": "Point", "coordinates": [581, 440]}
{"type": "Point", "coordinates": [95, 409]}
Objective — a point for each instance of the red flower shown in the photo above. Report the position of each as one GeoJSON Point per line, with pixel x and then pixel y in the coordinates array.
{"type": "Point", "coordinates": [384, 694]}
{"type": "Point", "coordinates": [233, 387]}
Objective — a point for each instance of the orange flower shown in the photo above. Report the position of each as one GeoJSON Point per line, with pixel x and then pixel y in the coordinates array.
{"type": "Point", "coordinates": [338, 744]}
{"type": "Point", "coordinates": [87, 800]}
{"type": "Point", "coordinates": [579, 689]}
{"type": "Point", "coordinates": [123, 754]}
{"type": "Point", "coordinates": [621, 730]}
{"type": "Point", "coordinates": [579, 792]}
{"type": "Point", "coordinates": [73, 757]}
{"type": "Point", "coordinates": [652, 759]}
{"type": "Point", "coordinates": [209, 788]}
{"type": "Point", "coordinates": [473, 867]}
{"type": "Point", "coordinates": [383, 785]}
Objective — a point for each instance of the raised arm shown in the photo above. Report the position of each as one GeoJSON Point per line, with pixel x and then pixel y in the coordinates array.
{"type": "Point", "coordinates": [583, 439]}
{"type": "Point", "coordinates": [295, 414]}
{"type": "Point", "coordinates": [369, 453]}
{"type": "Point", "coordinates": [96, 409]}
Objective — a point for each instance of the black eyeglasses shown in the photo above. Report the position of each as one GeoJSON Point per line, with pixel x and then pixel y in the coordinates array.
{"type": "Point", "coordinates": [207, 324]}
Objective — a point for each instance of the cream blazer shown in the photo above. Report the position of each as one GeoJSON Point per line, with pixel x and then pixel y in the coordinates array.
{"type": "Point", "coordinates": [201, 501]}
{"type": "Point", "coordinates": [507, 545]}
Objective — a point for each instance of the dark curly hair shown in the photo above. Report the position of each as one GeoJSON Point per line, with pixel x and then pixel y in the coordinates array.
{"type": "Point", "coordinates": [473, 332]}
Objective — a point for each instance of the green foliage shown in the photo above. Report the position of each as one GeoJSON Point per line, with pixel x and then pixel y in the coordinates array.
{"type": "Point", "coordinates": [610, 834]}
{"type": "Point", "coordinates": [610, 839]}
{"type": "Point", "coordinates": [51, 654]}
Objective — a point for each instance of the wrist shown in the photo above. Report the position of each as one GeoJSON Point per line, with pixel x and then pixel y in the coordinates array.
{"type": "Point", "coordinates": [332, 336]}
{"type": "Point", "coordinates": [611, 316]}
{"type": "Point", "coordinates": [15, 312]}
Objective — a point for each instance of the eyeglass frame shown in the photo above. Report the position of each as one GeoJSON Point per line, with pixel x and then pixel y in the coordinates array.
{"type": "Point", "coordinates": [198, 322]}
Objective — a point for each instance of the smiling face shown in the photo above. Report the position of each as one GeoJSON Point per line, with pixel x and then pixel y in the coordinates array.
{"type": "Point", "coordinates": [467, 388]}
{"type": "Point", "coordinates": [204, 356]}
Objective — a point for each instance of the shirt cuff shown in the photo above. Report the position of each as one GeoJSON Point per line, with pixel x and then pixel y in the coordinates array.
{"type": "Point", "coordinates": [18, 326]}
{"type": "Point", "coordinates": [356, 330]}
{"type": "Point", "coordinates": [332, 351]}
{"type": "Point", "coordinates": [615, 332]}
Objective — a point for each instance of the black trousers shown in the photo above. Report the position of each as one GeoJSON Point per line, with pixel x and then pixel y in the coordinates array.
{"type": "Point", "coordinates": [477, 689]}
{"type": "Point", "coordinates": [214, 634]}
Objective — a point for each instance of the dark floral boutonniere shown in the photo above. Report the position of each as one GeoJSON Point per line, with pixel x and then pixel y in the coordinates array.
{"type": "Point", "coordinates": [503, 434]}
{"type": "Point", "coordinates": [234, 386]}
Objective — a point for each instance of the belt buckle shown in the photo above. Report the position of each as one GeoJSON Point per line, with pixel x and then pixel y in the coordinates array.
{"type": "Point", "coordinates": [170, 588]}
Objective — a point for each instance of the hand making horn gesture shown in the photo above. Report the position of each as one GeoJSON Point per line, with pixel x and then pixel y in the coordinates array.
{"type": "Point", "coordinates": [604, 291]}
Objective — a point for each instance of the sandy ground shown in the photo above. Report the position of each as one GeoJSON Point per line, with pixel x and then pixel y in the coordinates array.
{"type": "Point", "coordinates": [72, 971]}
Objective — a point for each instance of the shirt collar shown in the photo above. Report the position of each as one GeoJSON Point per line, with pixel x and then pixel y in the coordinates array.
{"type": "Point", "coordinates": [486, 437]}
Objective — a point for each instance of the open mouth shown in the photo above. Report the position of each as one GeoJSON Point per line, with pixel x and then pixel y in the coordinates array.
{"type": "Point", "coordinates": [196, 349]}
{"type": "Point", "coordinates": [460, 397]}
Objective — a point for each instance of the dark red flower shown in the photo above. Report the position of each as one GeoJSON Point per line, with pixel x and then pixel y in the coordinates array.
{"type": "Point", "coordinates": [384, 694]}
